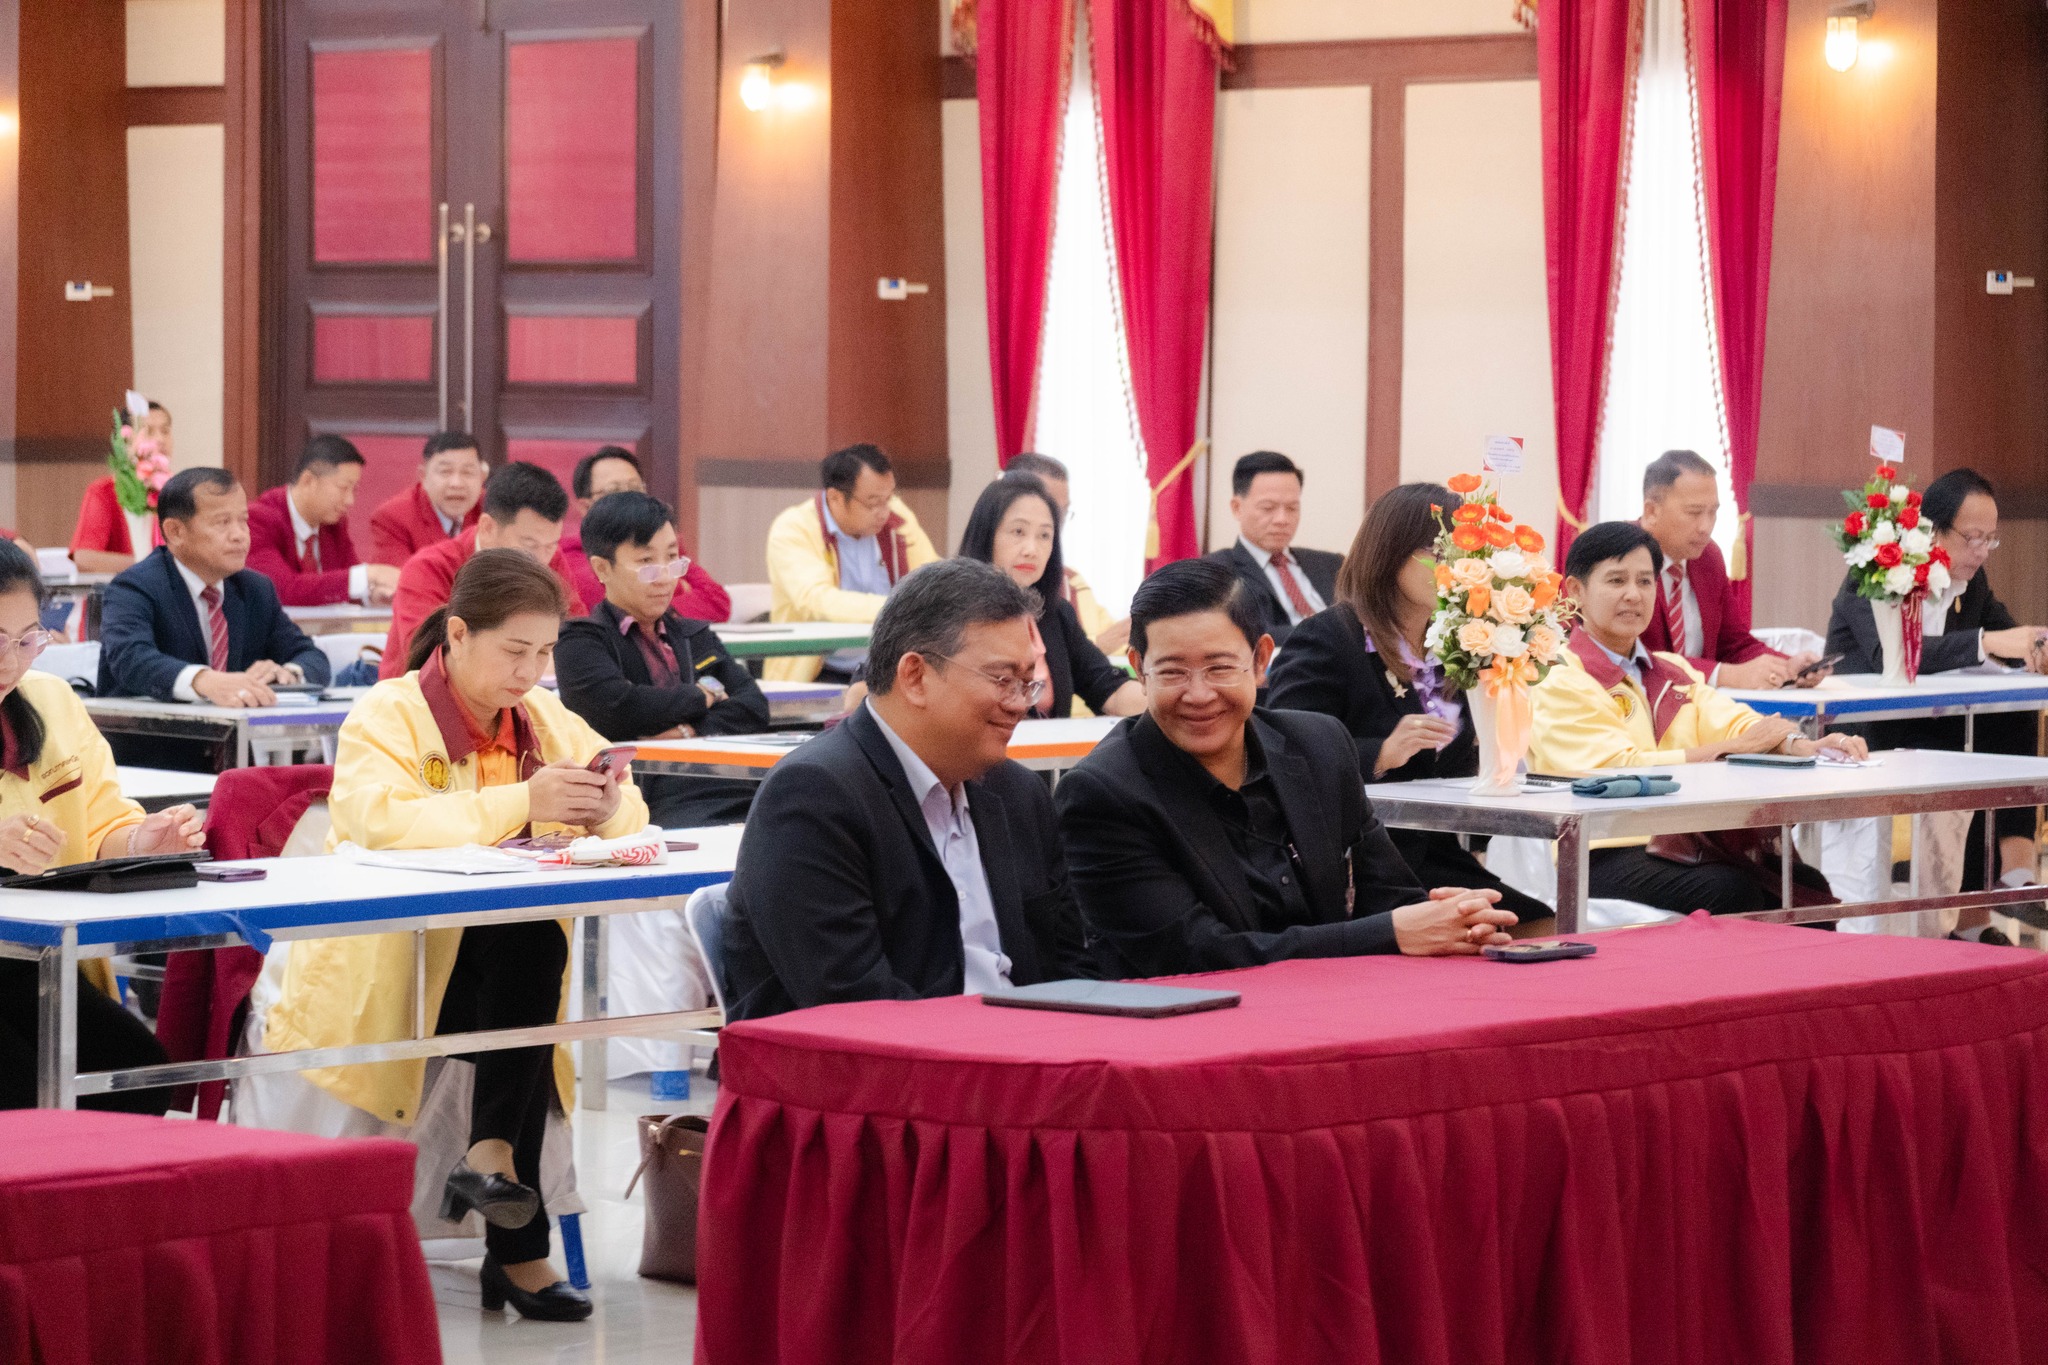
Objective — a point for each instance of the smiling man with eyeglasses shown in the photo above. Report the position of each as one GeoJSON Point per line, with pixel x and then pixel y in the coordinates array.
{"type": "Point", "coordinates": [1207, 833]}
{"type": "Point", "coordinates": [901, 854]}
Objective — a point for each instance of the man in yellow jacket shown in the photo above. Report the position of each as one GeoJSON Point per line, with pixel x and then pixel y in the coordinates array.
{"type": "Point", "coordinates": [836, 556]}
{"type": "Point", "coordinates": [1611, 703]}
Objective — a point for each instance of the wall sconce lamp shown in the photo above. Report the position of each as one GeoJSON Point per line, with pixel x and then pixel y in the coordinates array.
{"type": "Point", "coordinates": [1843, 42]}
{"type": "Point", "coordinates": [757, 81]}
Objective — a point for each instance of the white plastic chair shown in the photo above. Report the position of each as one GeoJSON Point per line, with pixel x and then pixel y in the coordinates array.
{"type": "Point", "coordinates": [705, 914]}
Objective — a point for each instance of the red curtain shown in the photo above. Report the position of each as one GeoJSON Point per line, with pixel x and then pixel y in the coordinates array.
{"type": "Point", "coordinates": [1021, 79]}
{"type": "Point", "coordinates": [1155, 84]}
{"type": "Point", "coordinates": [1583, 56]}
{"type": "Point", "coordinates": [1738, 53]}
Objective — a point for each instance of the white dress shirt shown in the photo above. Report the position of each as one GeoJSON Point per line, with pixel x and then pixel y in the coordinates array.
{"type": "Point", "coordinates": [304, 531]}
{"type": "Point", "coordinates": [1308, 591]}
{"type": "Point", "coordinates": [952, 831]}
{"type": "Point", "coordinates": [182, 689]}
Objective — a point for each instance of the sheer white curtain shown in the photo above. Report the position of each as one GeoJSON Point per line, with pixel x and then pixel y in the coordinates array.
{"type": "Point", "coordinates": [1083, 414]}
{"type": "Point", "coordinates": [1663, 390]}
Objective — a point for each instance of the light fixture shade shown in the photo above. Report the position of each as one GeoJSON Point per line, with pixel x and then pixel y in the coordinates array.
{"type": "Point", "coordinates": [757, 82]}
{"type": "Point", "coordinates": [1842, 41]}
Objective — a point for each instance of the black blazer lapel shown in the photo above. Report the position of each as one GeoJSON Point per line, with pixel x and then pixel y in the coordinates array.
{"type": "Point", "coordinates": [180, 613]}
{"type": "Point", "coordinates": [889, 768]}
{"type": "Point", "coordinates": [1196, 826]}
{"type": "Point", "coordinates": [1308, 821]}
{"type": "Point", "coordinates": [998, 860]}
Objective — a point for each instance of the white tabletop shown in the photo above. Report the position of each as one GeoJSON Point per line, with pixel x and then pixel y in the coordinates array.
{"type": "Point", "coordinates": [1035, 743]}
{"type": "Point", "coordinates": [354, 612]}
{"type": "Point", "coordinates": [330, 710]}
{"type": "Point", "coordinates": [309, 897]}
{"type": "Point", "coordinates": [1857, 695]}
{"type": "Point", "coordinates": [1726, 796]}
{"type": "Point", "coordinates": [156, 784]}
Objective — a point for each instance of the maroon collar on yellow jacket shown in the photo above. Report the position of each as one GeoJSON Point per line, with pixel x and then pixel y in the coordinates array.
{"type": "Point", "coordinates": [1663, 684]}
{"type": "Point", "coordinates": [895, 546]}
{"type": "Point", "coordinates": [10, 750]}
{"type": "Point", "coordinates": [458, 732]}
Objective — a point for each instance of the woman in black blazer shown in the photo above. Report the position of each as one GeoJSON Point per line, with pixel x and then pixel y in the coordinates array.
{"type": "Point", "coordinates": [1360, 661]}
{"type": "Point", "coordinates": [1014, 526]}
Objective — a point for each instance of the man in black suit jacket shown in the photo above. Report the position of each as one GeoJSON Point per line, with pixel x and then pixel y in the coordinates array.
{"type": "Point", "coordinates": [161, 624]}
{"type": "Point", "coordinates": [1206, 834]}
{"type": "Point", "coordinates": [901, 855]}
{"type": "Point", "coordinates": [1972, 627]}
{"type": "Point", "coordinates": [605, 664]}
{"type": "Point", "coordinates": [1290, 584]}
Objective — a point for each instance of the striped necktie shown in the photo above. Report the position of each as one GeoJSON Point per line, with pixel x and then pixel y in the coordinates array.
{"type": "Point", "coordinates": [1295, 596]}
{"type": "Point", "coordinates": [216, 629]}
{"type": "Point", "coordinates": [1674, 606]}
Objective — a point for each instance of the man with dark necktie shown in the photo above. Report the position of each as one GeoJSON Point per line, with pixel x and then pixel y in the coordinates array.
{"type": "Point", "coordinates": [1290, 584]}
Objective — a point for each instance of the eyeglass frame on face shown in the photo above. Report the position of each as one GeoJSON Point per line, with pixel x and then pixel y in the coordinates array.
{"type": "Point", "coordinates": [1030, 689]}
{"type": "Point", "coordinates": [871, 504]}
{"type": "Point", "coordinates": [1174, 678]}
{"type": "Point", "coordinates": [654, 573]}
{"type": "Point", "coordinates": [1976, 540]}
{"type": "Point", "coordinates": [31, 643]}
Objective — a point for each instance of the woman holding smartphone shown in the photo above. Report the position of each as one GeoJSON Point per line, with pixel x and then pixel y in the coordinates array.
{"type": "Point", "coordinates": [466, 748]}
{"type": "Point", "coordinates": [1362, 660]}
{"type": "Point", "coordinates": [61, 803]}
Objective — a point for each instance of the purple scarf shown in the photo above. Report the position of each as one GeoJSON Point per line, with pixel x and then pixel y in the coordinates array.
{"type": "Point", "coordinates": [1432, 688]}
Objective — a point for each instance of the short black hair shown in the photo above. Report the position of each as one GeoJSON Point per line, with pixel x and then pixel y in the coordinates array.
{"type": "Point", "coordinates": [155, 406]}
{"type": "Point", "coordinates": [521, 487]}
{"type": "Point", "coordinates": [1610, 540]}
{"type": "Point", "coordinates": [1259, 462]}
{"type": "Point", "coordinates": [841, 469]}
{"type": "Point", "coordinates": [978, 541]}
{"type": "Point", "coordinates": [623, 518]}
{"type": "Point", "coordinates": [327, 453]}
{"type": "Point", "coordinates": [931, 609]}
{"type": "Point", "coordinates": [18, 571]}
{"type": "Point", "coordinates": [586, 468]}
{"type": "Point", "coordinates": [1942, 499]}
{"type": "Point", "coordinates": [1187, 587]}
{"type": "Point", "coordinates": [1033, 463]}
{"type": "Point", "coordinates": [1665, 469]}
{"type": "Point", "coordinates": [178, 500]}
{"type": "Point", "coordinates": [441, 442]}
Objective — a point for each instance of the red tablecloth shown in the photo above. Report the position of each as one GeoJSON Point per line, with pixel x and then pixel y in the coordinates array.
{"type": "Point", "coordinates": [127, 1239]}
{"type": "Point", "coordinates": [1714, 1142]}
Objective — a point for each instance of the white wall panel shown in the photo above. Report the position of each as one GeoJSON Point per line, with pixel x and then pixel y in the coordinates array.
{"type": "Point", "coordinates": [971, 419]}
{"type": "Point", "coordinates": [175, 229]}
{"type": "Point", "coordinates": [1298, 21]}
{"type": "Point", "coordinates": [1476, 349]}
{"type": "Point", "coordinates": [1293, 183]}
{"type": "Point", "coordinates": [177, 42]}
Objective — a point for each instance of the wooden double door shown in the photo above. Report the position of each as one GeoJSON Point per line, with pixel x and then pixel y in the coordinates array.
{"type": "Point", "coordinates": [481, 231]}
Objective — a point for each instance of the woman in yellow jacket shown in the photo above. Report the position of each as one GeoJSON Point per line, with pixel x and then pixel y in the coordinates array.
{"type": "Point", "coordinates": [61, 803]}
{"type": "Point", "coordinates": [1610, 703]}
{"type": "Point", "coordinates": [465, 748]}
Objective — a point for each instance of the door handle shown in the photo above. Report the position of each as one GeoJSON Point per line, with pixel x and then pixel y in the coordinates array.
{"type": "Point", "coordinates": [441, 319]}
{"type": "Point", "coordinates": [470, 233]}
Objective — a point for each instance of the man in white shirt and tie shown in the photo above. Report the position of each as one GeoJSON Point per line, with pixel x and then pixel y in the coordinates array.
{"type": "Point", "coordinates": [901, 854]}
{"type": "Point", "coordinates": [1292, 584]}
{"type": "Point", "coordinates": [1697, 613]}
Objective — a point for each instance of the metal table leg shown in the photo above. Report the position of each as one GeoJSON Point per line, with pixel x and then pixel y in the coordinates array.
{"type": "Point", "coordinates": [57, 1024]}
{"type": "Point", "coordinates": [596, 1005]}
{"type": "Point", "coordinates": [1784, 867]}
{"type": "Point", "coordinates": [1571, 876]}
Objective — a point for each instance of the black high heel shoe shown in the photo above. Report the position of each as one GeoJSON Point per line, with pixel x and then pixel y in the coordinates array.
{"type": "Point", "coordinates": [557, 1303]}
{"type": "Point", "coordinates": [503, 1203]}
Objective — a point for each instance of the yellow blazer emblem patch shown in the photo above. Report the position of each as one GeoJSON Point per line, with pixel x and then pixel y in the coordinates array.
{"type": "Point", "coordinates": [435, 772]}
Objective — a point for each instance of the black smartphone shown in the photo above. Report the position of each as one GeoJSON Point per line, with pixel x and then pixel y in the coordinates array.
{"type": "Point", "coordinates": [1771, 760]}
{"type": "Point", "coordinates": [1538, 951]}
{"type": "Point", "coordinates": [228, 872]}
{"type": "Point", "coordinates": [1820, 665]}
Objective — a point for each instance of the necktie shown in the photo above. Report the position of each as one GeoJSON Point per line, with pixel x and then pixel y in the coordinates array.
{"type": "Point", "coordinates": [309, 553]}
{"type": "Point", "coordinates": [1674, 607]}
{"type": "Point", "coordinates": [1295, 597]}
{"type": "Point", "coordinates": [216, 630]}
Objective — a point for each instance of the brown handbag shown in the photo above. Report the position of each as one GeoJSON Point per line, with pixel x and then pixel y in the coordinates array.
{"type": "Point", "coordinates": [1754, 851]}
{"type": "Point", "coordinates": [672, 1159]}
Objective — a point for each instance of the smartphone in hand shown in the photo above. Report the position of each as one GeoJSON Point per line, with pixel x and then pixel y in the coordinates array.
{"type": "Point", "coordinates": [612, 762]}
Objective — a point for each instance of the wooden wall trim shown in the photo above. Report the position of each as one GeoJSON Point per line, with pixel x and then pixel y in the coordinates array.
{"type": "Point", "coordinates": [2015, 501]}
{"type": "Point", "coordinates": [724, 473]}
{"type": "Point", "coordinates": [241, 115]}
{"type": "Point", "coordinates": [1370, 61]}
{"type": "Point", "coordinates": [1386, 287]}
{"type": "Point", "coordinates": [155, 106]}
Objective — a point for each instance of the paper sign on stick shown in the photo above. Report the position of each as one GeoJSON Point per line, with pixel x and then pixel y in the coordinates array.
{"type": "Point", "coordinates": [1504, 454]}
{"type": "Point", "coordinates": [1887, 446]}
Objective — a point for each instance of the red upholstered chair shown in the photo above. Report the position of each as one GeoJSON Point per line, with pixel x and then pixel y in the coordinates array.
{"type": "Point", "coordinates": [252, 815]}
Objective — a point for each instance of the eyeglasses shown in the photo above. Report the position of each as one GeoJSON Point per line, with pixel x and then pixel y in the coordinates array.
{"type": "Point", "coordinates": [1217, 676]}
{"type": "Point", "coordinates": [29, 643]}
{"type": "Point", "coordinates": [880, 504]}
{"type": "Point", "coordinates": [1028, 690]}
{"type": "Point", "coordinates": [655, 573]}
{"type": "Point", "coordinates": [1978, 541]}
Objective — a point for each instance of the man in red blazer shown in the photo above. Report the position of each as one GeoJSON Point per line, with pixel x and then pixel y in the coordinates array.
{"type": "Point", "coordinates": [1697, 615]}
{"type": "Point", "coordinates": [523, 508]}
{"type": "Point", "coordinates": [438, 507]}
{"type": "Point", "coordinates": [298, 535]}
{"type": "Point", "coordinates": [614, 469]}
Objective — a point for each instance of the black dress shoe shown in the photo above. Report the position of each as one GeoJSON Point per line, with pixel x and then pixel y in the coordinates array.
{"type": "Point", "coordinates": [1989, 936]}
{"type": "Point", "coordinates": [557, 1303]}
{"type": "Point", "coordinates": [503, 1203]}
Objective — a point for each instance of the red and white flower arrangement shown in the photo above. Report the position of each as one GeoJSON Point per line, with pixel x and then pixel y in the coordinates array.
{"type": "Point", "coordinates": [139, 464]}
{"type": "Point", "coordinates": [1894, 562]}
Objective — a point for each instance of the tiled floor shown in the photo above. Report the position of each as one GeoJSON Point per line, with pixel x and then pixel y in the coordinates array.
{"type": "Point", "coordinates": [636, 1319]}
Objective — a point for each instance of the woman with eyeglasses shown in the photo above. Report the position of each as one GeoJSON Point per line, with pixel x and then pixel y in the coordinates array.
{"type": "Point", "coordinates": [1962, 627]}
{"type": "Point", "coordinates": [1362, 660]}
{"type": "Point", "coordinates": [636, 668]}
{"type": "Point", "coordinates": [466, 748]}
{"type": "Point", "coordinates": [1015, 526]}
{"type": "Point", "coordinates": [61, 803]}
